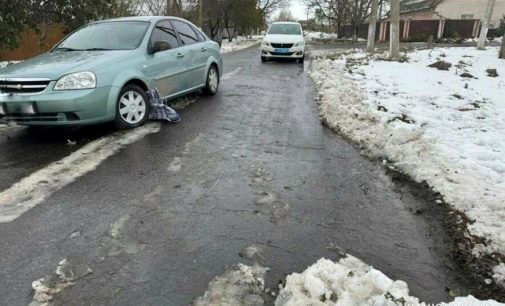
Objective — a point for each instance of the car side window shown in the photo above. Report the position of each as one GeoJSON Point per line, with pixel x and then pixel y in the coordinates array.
{"type": "Point", "coordinates": [186, 33]}
{"type": "Point", "coordinates": [164, 32]}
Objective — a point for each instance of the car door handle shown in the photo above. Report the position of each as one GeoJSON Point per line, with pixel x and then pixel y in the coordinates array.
{"type": "Point", "coordinates": [180, 55]}
{"type": "Point", "coordinates": [204, 49]}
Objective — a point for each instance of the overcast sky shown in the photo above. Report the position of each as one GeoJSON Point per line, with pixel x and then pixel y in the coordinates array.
{"type": "Point", "coordinates": [298, 9]}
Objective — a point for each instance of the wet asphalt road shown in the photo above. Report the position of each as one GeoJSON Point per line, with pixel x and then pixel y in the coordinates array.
{"type": "Point", "coordinates": [251, 166]}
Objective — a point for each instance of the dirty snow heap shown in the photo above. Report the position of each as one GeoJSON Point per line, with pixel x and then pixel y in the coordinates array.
{"type": "Point", "coordinates": [444, 125]}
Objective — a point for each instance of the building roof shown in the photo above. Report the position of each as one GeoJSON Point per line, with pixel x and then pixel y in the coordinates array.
{"type": "Point", "coordinates": [407, 6]}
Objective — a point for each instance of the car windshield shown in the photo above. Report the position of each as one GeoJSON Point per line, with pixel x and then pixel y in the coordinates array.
{"type": "Point", "coordinates": [119, 35]}
{"type": "Point", "coordinates": [285, 28]}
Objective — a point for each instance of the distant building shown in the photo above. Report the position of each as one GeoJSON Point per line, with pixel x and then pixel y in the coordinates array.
{"type": "Point", "coordinates": [450, 9]}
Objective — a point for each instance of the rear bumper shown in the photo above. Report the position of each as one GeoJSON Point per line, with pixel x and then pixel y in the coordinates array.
{"type": "Point", "coordinates": [294, 52]}
{"type": "Point", "coordinates": [72, 107]}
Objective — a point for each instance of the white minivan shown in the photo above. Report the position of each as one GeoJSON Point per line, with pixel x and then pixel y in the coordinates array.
{"type": "Point", "coordinates": [283, 40]}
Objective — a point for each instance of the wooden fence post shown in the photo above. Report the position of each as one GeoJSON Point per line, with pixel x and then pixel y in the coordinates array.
{"type": "Point", "coordinates": [476, 27]}
{"type": "Point", "coordinates": [441, 28]}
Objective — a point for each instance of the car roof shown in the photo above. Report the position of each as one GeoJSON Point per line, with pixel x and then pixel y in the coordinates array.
{"type": "Point", "coordinates": [139, 18]}
{"type": "Point", "coordinates": [285, 22]}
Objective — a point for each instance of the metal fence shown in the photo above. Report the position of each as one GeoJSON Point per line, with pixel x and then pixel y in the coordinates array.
{"type": "Point", "coordinates": [418, 30]}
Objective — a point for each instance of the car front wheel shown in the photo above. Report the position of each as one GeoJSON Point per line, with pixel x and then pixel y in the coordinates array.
{"type": "Point", "coordinates": [212, 84]}
{"type": "Point", "coordinates": [132, 109]}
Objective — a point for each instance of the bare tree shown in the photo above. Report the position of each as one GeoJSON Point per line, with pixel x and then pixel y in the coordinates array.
{"type": "Point", "coordinates": [160, 7]}
{"type": "Point", "coordinates": [152, 7]}
{"type": "Point", "coordinates": [485, 25]}
{"type": "Point", "coordinates": [371, 26]}
{"type": "Point", "coordinates": [285, 15]}
{"type": "Point", "coordinates": [394, 44]}
{"type": "Point", "coordinates": [267, 7]}
{"type": "Point", "coordinates": [174, 8]}
{"type": "Point", "coordinates": [343, 12]}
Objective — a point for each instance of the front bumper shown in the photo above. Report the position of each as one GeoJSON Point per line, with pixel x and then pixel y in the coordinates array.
{"type": "Point", "coordinates": [293, 52]}
{"type": "Point", "coordinates": [70, 107]}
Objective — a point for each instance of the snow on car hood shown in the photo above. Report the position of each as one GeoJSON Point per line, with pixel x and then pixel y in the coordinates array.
{"type": "Point", "coordinates": [53, 65]}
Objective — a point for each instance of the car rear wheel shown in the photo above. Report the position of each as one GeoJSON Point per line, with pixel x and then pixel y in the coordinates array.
{"type": "Point", "coordinates": [132, 109]}
{"type": "Point", "coordinates": [212, 85]}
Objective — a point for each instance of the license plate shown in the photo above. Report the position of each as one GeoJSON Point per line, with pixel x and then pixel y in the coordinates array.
{"type": "Point", "coordinates": [25, 108]}
{"type": "Point", "coordinates": [282, 50]}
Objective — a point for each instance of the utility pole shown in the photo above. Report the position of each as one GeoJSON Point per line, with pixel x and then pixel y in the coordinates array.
{"type": "Point", "coordinates": [200, 14]}
{"type": "Point", "coordinates": [370, 45]}
{"type": "Point", "coordinates": [394, 39]}
{"type": "Point", "coordinates": [485, 25]}
{"type": "Point", "coordinates": [502, 49]}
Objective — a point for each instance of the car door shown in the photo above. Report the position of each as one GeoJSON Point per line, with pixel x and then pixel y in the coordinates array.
{"type": "Point", "coordinates": [197, 58]}
{"type": "Point", "coordinates": [167, 67]}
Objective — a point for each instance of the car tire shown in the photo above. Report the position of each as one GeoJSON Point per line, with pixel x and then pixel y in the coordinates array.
{"type": "Point", "coordinates": [212, 83]}
{"type": "Point", "coordinates": [263, 59]}
{"type": "Point", "coordinates": [301, 60]}
{"type": "Point", "coordinates": [132, 107]}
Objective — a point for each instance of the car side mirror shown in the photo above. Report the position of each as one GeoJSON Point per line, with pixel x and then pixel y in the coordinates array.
{"type": "Point", "coordinates": [159, 46]}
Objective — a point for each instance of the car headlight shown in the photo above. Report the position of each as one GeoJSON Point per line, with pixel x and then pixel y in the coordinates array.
{"type": "Point", "coordinates": [299, 44]}
{"type": "Point", "coordinates": [266, 43]}
{"type": "Point", "coordinates": [78, 80]}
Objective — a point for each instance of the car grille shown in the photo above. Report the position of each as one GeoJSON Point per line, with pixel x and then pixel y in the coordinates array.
{"type": "Point", "coordinates": [282, 54]}
{"type": "Point", "coordinates": [23, 86]}
{"type": "Point", "coordinates": [282, 45]}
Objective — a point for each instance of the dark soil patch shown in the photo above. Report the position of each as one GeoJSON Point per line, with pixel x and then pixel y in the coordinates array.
{"type": "Point", "coordinates": [467, 75]}
{"type": "Point", "coordinates": [403, 118]}
{"type": "Point", "coordinates": [441, 65]}
{"type": "Point", "coordinates": [456, 237]}
{"type": "Point", "coordinates": [492, 73]}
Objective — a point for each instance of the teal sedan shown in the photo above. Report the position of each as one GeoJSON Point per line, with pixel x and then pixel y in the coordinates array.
{"type": "Point", "coordinates": [103, 71]}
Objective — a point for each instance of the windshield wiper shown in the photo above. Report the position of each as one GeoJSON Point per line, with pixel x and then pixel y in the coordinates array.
{"type": "Point", "coordinates": [67, 49]}
{"type": "Point", "coordinates": [97, 49]}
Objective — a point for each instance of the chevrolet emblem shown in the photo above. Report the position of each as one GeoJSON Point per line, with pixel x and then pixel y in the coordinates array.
{"type": "Point", "coordinates": [19, 87]}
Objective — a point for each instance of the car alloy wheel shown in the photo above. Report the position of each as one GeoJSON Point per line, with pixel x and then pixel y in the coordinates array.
{"type": "Point", "coordinates": [132, 107]}
{"type": "Point", "coordinates": [212, 81]}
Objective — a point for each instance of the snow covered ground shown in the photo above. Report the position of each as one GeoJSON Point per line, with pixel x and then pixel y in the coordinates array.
{"type": "Point", "coordinates": [445, 127]}
{"type": "Point", "coordinates": [351, 282]}
{"type": "Point", "coordinates": [474, 40]}
{"type": "Point", "coordinates": [320, 35]}
{"type": "Point", "coordinates": [326, 36]}
{"type": "Point", "coordinates": [239, 43]}
{"type": "Point", "coordinates": [4, 64]}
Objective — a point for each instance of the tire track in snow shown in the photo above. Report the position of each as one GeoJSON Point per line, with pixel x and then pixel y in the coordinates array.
{"type": "Point", "coordinates": [35, 188]}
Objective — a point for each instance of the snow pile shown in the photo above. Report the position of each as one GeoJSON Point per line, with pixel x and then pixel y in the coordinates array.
{"type": "Point", "coordinates": [499, 274]}
{"type": "Point", "coordinates": [241, 286]}
{"type": "Point", "coordinates": [5, 64]}
{"type": "Point", "coordinates": [239, 43]}
{"type": "Point", "coordinates": [443, 127]}
{"type": "Point", "coordinates": [351, 282]}
{"type": "Point", "coordinates": [348, 282]}
{"type": "Point", "coordinates": [320, 35]}
{"type": "Point", "coordinates": [475, 40]}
